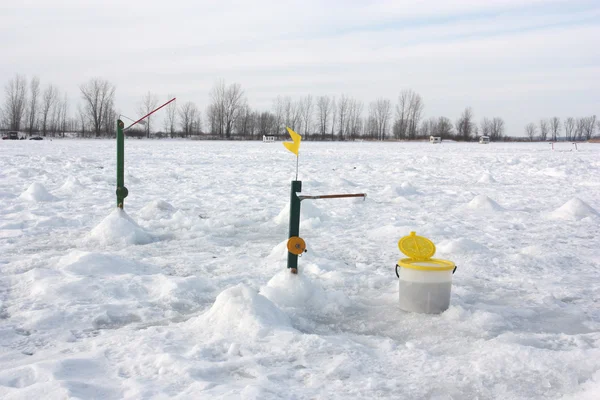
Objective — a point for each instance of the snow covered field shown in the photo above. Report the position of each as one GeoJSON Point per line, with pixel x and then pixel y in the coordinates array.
{"type": "Point", "coordinates": [187, 295]}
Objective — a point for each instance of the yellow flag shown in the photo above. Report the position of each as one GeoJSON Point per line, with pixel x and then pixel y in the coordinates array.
{"type": "Point", "coordinates": [295, 145]}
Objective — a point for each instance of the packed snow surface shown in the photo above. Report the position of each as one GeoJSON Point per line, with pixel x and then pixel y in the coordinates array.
{"type": "Point", "coordinates": [185, 293]}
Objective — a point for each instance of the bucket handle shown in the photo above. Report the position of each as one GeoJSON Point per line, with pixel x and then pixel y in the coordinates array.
{"type": "Point", "coordinates": [398, 275]}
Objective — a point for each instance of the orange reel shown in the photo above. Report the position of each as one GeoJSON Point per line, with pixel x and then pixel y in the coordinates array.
{"type": "Point", "coordinates": [296, 245]}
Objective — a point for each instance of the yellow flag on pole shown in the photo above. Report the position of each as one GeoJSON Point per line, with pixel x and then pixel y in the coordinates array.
{"type": "Point", "coordinates": [295, 145]}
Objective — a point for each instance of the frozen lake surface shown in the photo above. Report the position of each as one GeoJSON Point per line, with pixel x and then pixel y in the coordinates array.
{"type": "Point", "coordinates": [186, 294]}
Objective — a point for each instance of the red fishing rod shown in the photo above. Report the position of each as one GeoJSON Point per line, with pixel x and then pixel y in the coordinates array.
{"type": "Point", "coordinates": [150, 113]}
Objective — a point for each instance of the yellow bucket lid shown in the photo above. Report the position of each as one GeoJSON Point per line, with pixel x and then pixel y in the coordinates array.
{"type": "Point", "coordinates": [433, 264]}
{"type": "Point", "coordinates": [416, 247]}
{"type": "Point", "coordinates": [420, 250]}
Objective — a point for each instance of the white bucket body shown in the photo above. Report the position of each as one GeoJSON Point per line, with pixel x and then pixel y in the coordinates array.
{"type": "Point", "coordinates": [424, 291]}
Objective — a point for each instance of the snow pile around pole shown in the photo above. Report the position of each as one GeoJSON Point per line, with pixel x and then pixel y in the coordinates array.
{"type": "Point", "coordinates": [309, 214]}
{"type": "Point", "coordinates": [574, 209]}
{"type": "Point", "coordinates": [37, 193]}
{"type": "Point", "coordinates": [300, 291]}
{"type": "Point", "coordinates": [119, 228]}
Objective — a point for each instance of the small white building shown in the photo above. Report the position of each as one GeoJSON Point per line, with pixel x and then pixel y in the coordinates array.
{"type": "Point", "coordinates": [268, 139]}
{"type": "Point", "coordinates": [435, 139]}
{"type": "Point", "coordinates": [484, 140]}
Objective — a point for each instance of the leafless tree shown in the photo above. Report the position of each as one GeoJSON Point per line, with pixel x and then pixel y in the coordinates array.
{"type": "Point", "coordinates": [333, 117]}
{"type": "Point", "coordinates": [34, 89]}
{"type": "Point", "coordinates": [429, 127]}
{"type": "Point", "coordinates": [98, 96]}
{"type": "Point", "coordinates": [408, 114]}
{"type": "Point", "coordinates": [147, 105]}
{"type": "Point", "coordinates": [82, 119]}
{"type": "Point", "coordinates": [109, 119]}
{"type": "Point", "coordinates": [555, 128]}
{"type": "Point", "coordinates": [197, 124]}
{"type": "Point", "coordinates": [381, 111]}
{"type": "Point", "coordinates": [444, 128]}
{"type": "Point", "coordinates": [355, 121]}
{"type": "Point", "coordinates": [49, 99]}
{"type": "Point", "coordinates": [465, 128]}
{"type": "Point", "coordinates": [343, 108]}
{"type": "Point", "coordinates": [63, 114]}
{"type": "Point", "coordinates": [244, 122]}
{"type": "Point", "coordinates": [234, 103]}
{"type": "Point", "coordinates": [188, 113]}
{"type": "Point", "coordinates": [569, 125]}
{"type": "Point", "coordinates": [291, 113]}
{"type": "Point", "coordinates": [266, 123]}
{"type": "Point", "coordinates": [323, 114]}
{"type": "Point", "coordinates": [544, 126]}
{"type": "Point", "coordinates": [530, 131]}
{"type": "Point", "coordinates": [589, 127]}
{"type": "Point", "coordinates": [497, 128]}
{"type": "Point", "coordinates": [171, 117]}
{"type": "Point", "coordinates": [486, 127]}
{"type": "Point", "coordinates": [307, 114]}
{"type": "Point", "coordinates": [15, 101]}
{"type": "Point", "coordinates": [226, 105]}
{"type": "Point", "coordinates": [579, 128]}
{"type": "Point", "coordinates": [278, 117]}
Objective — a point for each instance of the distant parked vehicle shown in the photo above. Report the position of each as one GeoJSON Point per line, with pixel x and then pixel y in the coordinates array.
{"type": "Point", "coordinates": [435, 139]}
{"type": "Point", "coordinates": [11, 136]}
{"type": "Point", "coordinates": [484, 140]}
{"type": "Point", "coordinates": [36, 138]}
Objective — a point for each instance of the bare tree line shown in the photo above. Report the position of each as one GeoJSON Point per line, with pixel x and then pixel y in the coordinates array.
{"type": "Point", "coordinates": [35, 110]}
{"type": "Point", "coordinates": [575, 129]}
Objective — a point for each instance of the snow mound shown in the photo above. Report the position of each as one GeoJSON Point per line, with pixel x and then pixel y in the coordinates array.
{"type": "Point", "coordinates": [289, 290]}
{"type": "Point", "coordinates": [240, 311]}
{"type": "Point", "coordinates": [486, 178]}
{"type": "Point", "coordinates": [307, 211]}
{"type": "Point", "coordinates": [405, 189]}
{"type": "Point", "coordinates": [574, 209]}
{"type": "Point", "coordinates": [37, 192]}
{"type": "Point", "coordinates": [553, 172]}
{"type": "Point", "coordinates": [461, 245]}
{"type": "Point", "coordinates": [71, 185]}
{"type": "Point", "coordinates": [482, 202]}
{"type": "Point", "coordinates": [95, 264]}
{"type": "Point", "coordinates": [118, 227]}
{"type": "Point", "coordinates": [157, 209]}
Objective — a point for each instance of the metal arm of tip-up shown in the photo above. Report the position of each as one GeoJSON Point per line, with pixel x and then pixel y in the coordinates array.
{"type": "Point", "coordinates": [122, 191]}
{"type": "Point", "coordinates": [333, 196]}
{"type": "Point", "coordinates": [296, 245]}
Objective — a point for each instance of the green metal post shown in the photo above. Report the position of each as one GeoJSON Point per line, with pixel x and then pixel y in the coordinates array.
{"type": "Point", "coordinates": [122, 191]}
{"type": "Point", "coordinates": [292, 261]}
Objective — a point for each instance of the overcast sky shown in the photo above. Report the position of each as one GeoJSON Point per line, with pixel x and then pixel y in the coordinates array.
{"type": "Point", "coordinates": [517, 59]}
